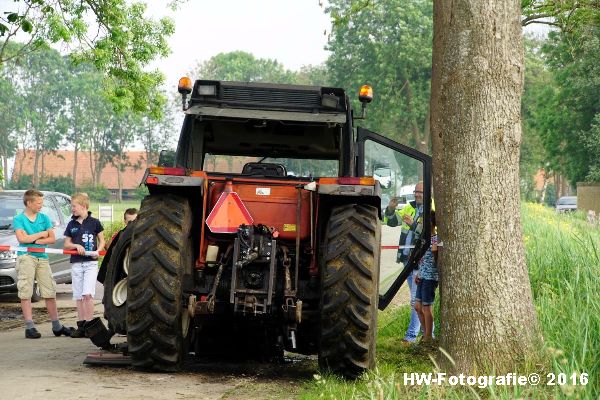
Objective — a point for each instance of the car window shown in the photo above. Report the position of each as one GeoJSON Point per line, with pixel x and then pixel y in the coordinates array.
{"type": "Point", "coordinates": [9, 208]}
{"type": "Point", "coordinates": [64, 205]}
{"type": "Point", "coordinates": [49, 209]}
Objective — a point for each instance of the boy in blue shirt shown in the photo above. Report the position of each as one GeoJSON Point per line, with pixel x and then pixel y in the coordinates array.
{"type": "Point", "coordinates": [34, 229]}
{"type": "Point", "coordinates": [83, 233]}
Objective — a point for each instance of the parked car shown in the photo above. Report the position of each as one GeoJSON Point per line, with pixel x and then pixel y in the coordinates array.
{"type": "Point", "coordinates": [566, 203]}
{"type": "Point", "coordinates": [57, 206]}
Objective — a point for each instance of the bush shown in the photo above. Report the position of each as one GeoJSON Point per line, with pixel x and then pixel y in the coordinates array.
{"type": "Point", "coordinates": [141, 192]}
{"type": "Point", "coordinates": [97, 193]}
{"type": "Point", "coordinates": [23, 183]}
{"type": "Point", "coordinates": [62, 184]}
{"type": "Point", "coordinates": [550, 198]}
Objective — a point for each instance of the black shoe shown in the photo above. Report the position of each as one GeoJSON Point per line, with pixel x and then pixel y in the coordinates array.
{"type": "Point", "coordinates": [64, 330]}
{"type": "Point", "coordinates": [80, 331]}
{"type": "Point", "coordinates": [32, 333]}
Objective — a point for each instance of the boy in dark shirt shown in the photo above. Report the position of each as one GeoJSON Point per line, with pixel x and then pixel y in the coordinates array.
{"type": "Point", "coordinates": [84, 234]}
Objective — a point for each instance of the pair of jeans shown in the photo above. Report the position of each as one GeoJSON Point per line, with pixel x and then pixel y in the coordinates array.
{"type": "Point", "coordinates": [414, 326]}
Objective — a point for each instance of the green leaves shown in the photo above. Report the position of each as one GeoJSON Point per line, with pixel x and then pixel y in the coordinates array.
{"type": "Point", "coordinates": [244, 67]}
{"type": "Point", "coordinates": [26, 25]}
{"type": "Point", "coordinates": [386, 44]}
{"type": "Point", "coordinates": [564, 109]}
{"type": "Point", "coordinates": [115, 35]}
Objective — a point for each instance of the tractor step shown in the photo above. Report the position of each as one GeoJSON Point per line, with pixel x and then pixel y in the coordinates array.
{"type": "Point", "coordinates": [114, 357]}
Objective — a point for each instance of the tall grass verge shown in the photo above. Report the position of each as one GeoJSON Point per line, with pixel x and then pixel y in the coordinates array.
{"type": "Point", "coordinates": [563, 258]}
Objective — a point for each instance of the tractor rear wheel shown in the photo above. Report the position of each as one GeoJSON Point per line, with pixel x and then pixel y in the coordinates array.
{"type": "Point", "coordinates": [349, 290]}
{"type": "Point", "coordinates": [115, 283]}
{"type": "Point", "coordinates": [161, 256]}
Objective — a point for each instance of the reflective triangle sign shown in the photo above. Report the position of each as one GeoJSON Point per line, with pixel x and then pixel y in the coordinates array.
{"type": "Point", "coordinates": [228, 214]}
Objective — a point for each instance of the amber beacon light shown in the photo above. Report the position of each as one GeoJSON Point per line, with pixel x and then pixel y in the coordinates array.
{"type": "Point", "coordinates": [185, 85]}
{"type": "Point", "coordinates": [365, 94]}
{"type": "Point", "coordinates": [184, 88]}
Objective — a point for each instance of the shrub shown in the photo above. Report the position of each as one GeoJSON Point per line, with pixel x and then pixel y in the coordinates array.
{"type": "Point", "coordinates": [97, 193]}
{"type": "Point", "coordinates": [62, 184]}
{"type": "Point", "coordinates": [141, 192]}
{"type": "Point", "coordinates": [23, 183]}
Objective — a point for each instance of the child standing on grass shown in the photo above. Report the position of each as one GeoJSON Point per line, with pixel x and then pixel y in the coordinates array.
{"type": "Point", "coordinates": [427, 281]}
{"type": "Point", "coordinates": [83, 233]}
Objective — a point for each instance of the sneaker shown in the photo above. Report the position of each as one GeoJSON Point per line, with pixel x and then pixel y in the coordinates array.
{"type": "Point", "coordinates": [32, 333]}
{"type": "Point", "coordinates": [64, 330]}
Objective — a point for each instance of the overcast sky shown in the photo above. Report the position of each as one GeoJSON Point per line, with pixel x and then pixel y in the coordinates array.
{"type": "Point", "coordinates": [290, 31]}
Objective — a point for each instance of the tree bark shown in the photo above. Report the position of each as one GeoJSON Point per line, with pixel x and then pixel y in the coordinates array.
{"type": "Point", "coordinates": [5, 169]}
{"type": "Point", "coordinates": [92, 167]}
{"type": "Point", "coordinates": [75, 154]}
{"type": "Point", "coordinates": [43, 172]}
{"type": "Point", "coordinates": [35, 178]}
{"type": "Point", "coordinates": [20, 173]}
{"type": "Point", "coordinates": [120, 178]}
{"type": "Point", "coordinates": [488, 319]}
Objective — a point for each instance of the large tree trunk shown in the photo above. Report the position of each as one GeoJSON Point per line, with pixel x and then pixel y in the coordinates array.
{"type": "Point", "coordinates": [487, 314]}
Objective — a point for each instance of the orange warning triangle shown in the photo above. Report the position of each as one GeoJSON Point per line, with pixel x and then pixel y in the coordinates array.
{"type": "Point", "coordinates": [228, 214]}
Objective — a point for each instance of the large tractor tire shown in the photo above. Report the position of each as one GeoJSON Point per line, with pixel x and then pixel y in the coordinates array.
{"type": "Point", "coordinates": [115, 282]}
{"type": "Point", "coordinates": [161, 255]}
{"type": "Point", "coordinates": [349, 290]}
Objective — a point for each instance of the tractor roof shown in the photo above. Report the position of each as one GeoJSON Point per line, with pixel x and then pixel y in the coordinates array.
{"type": "Point", "coordinates": [258, 119]}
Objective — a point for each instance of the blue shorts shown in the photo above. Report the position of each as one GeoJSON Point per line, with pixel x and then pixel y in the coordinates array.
{"type": "Point", "coordinates": [426, 291]}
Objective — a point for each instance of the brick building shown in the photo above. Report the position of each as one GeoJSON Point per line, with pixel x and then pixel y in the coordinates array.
{"type": "Point", "coordinates": [61, 162]}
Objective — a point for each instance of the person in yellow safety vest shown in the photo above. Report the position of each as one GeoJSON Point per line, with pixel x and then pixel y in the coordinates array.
{"type": "Point", "coordinates": [410, 217]}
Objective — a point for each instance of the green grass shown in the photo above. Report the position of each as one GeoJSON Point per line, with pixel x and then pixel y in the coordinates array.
{"type": "Point", "coordinates": [563, 257]}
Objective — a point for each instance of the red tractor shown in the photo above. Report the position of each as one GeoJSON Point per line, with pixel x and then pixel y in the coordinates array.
{"type": "Point", "coordinates": [262, 232]}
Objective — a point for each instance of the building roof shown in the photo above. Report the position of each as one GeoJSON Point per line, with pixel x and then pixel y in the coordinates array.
{"type": "Point", "coordinates": [61, 162]}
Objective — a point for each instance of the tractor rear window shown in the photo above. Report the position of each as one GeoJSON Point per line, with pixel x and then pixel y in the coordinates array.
{"type": "Point", "coordinates": [293, 167]}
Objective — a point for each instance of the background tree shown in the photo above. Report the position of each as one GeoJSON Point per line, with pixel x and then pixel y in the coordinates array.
{"type": "Point", "coordinates": [124, 129]}
{"type": "Point", "coordinates": [487, 313]}
{"type": "Point", "coordinates": [243, 67]}
{"type": "Point", "coordinates": [114, 35]}
{"type": "Point", "coordinates": [40, 78]}
{"type": "Point", "coordinates": [560, 14]}
{"type": "Point", "coordinates": [570, 106]}
{"type": "Point", "coordinates": [100, 147]}
{"type": "Point", "coordinates": [11, 108]}
{"type": "Point", "coordinates": [538, 80]}
{"type": "Point", "coordinates": [85, 105]}
{"type": "Point", "coordinates": [157, 135]}
{"type": "Point", "coordinates": [317, 75]}
{"type": "Point", "coordinates": [386, 44]}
